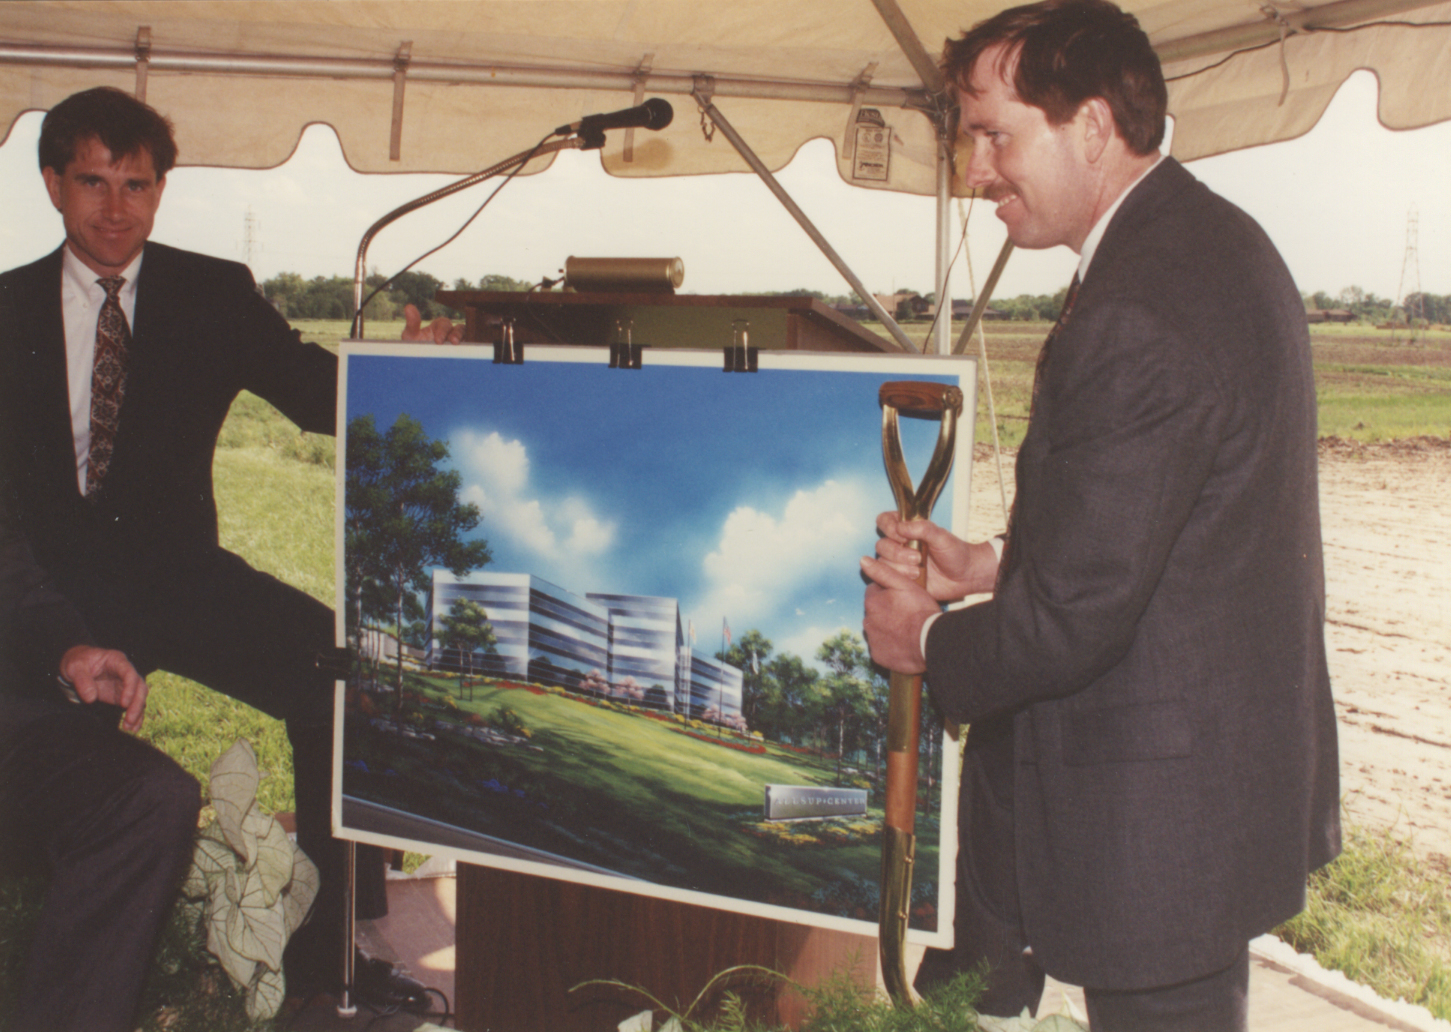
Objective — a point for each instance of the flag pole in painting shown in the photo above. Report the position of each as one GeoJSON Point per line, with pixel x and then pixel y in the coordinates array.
{"type": "Point", "coordinates": [904, 707]}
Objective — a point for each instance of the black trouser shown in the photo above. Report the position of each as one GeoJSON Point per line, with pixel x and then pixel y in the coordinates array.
{"type": "Point", "coordinates": [115, 819]}
{"type": "Point", "coordinates": [988, 925]}
{"type": "Point", "coordinates": [210, 617]}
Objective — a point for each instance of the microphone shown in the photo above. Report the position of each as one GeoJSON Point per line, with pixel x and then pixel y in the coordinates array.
{"type": "Point", "coordinates": [655, 113]}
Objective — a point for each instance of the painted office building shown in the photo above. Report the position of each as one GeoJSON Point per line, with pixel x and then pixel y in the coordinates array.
{"type": "Point", "coordinates": [625, 646]}
{"type": "Point", "coordinates": [715, 686]}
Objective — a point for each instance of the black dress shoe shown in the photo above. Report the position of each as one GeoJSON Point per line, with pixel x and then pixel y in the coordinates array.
{"type": "Point", "coordinates": [380, 985]}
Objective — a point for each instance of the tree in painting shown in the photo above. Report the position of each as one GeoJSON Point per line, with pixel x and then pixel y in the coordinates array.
{"type": "Point", "coordinates": [403, 516]}
{"type": "Point", "coordinates": [466, 628]}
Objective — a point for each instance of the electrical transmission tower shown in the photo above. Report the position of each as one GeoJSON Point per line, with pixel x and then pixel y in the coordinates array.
{"type": "Point", "coordinates": [1409, 297]}
{"type": "Point", "coordinates": [249, 237]}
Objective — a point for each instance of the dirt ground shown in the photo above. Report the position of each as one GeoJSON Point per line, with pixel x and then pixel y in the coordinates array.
{"type": "Point", "coordinates": [1386, 516]}
{"type": "Point", "coordinates": [1386, 513]}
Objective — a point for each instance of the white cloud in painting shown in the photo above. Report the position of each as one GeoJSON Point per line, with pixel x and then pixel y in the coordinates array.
{"type": "Point", "coordinates": [805, 641]}
{"type": "Point", "coordinates": [763, 561]}
{"type": "Point", "coordinates": [496, 479]}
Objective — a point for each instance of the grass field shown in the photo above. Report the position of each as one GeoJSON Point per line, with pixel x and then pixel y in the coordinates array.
{"type": "Point", "coordinates": [1372, 385]}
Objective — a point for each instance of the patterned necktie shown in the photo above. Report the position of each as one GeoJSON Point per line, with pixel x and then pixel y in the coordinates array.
{"type": "Point", "coordinates": [108, 381]}
{"type": "Point", "coordinates": [1048, 340]}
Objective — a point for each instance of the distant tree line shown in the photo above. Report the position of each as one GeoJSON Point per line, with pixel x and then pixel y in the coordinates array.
{"type": "Point", "coordinates": [1367, 307]}
{"type": "Point", "coordinates": [324, 297]}
{"type": "Point", "coordinates": [331, 297]}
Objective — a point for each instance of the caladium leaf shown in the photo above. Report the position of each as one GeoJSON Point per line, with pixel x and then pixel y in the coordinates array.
{"type": "Point", "coordinates": [234, 792]}
{"type": "Point", "coordinates": [264, 998]}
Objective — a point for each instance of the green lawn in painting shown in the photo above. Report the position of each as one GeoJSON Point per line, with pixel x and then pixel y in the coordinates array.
{"type": "Point", "coordinates": [638, 794]}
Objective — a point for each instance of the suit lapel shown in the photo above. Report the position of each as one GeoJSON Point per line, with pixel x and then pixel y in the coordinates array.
{"type": "Point", "coordinates": [45, 394]}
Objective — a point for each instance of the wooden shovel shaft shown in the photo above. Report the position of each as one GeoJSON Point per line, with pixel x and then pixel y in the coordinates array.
{"type": "Point", "coordinates": [904, 706]}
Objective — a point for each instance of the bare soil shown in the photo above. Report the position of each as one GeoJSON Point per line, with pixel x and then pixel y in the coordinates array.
{"type": "Point", "coordinates": [1386, 516]}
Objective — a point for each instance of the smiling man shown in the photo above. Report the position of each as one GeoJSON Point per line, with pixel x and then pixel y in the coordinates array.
{"type": "Point", "coordinates": [122, 357]}
{"type": "Point", "coordinates": [1150, 769]}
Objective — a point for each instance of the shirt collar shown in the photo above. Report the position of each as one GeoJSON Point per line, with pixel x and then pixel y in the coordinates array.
{"type": "Point", "coordinates": [81, 277]}
{"type": "Point", "coordinates": [1090, 243]}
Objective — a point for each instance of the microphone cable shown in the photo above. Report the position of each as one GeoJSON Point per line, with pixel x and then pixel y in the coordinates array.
{"type": "Point", "coordinates": [456, 234]}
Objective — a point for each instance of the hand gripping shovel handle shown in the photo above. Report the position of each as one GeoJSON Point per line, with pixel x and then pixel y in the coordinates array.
{"type": "Point", "coordinates": [904, 707]}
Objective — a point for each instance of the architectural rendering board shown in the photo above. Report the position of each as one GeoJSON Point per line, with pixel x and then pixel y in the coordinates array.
{"type": "Point", "coordinates": [631, 622]}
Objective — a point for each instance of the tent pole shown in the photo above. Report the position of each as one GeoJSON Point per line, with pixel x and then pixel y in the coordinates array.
{"type": "Point", "coordinates": [702, 97]}
{"type": "Point", "coordinates": [935, 86]}
{"type": "Point", "coordinates": [941, 343]}
{"type": "Point", "coordinates": [984, 296]}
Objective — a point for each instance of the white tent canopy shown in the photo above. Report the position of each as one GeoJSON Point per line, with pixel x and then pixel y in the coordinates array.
{"type": "Point", "coordinates": [457, 85]}
{"type": "Point", "coordinates": [461, 85]}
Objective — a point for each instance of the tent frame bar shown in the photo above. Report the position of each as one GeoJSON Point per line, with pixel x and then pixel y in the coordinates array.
{"type": "Point", "coordinates": [624, 81]}
{"type": "Point", "coordinates": [704, 98]}
{"type": "Point", "coordinates": [1337, 15]}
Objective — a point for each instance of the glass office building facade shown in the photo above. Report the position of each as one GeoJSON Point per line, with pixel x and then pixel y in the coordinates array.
{"type": "Point", "coordinates": [715, 687]}
{"type": "Point", "coordinates": [543, 632]}
{"type": "Point", "coordinates": [645, 644]}
{"type": "Point", "coordinates": [624, 646]}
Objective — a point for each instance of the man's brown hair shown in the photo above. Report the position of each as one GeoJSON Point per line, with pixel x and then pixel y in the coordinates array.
{"type": "Point", "coordinates": [1068, 51]}
{"type": "Point", "coordinates": [120, 121]}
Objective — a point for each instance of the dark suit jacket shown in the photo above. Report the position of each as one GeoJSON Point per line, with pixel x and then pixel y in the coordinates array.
{"type": "Point", "coordinates": [202, 334]}
{"type": "Point", "coordinates": [1156, 638]}
{"type": "Point", "coordinates": [37, 625]}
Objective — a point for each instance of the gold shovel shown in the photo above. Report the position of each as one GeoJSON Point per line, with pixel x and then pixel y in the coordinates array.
{"type": "Point", "coordinates": [904, 707]}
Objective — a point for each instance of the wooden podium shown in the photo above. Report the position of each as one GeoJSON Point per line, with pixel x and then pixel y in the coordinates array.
{"type": "Point", "coordinates": [525, 941]}
{"type": "Point", "coordinates": [661, 320]}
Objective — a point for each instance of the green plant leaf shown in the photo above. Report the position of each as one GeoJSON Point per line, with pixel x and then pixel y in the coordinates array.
{"type": "Point", "coordinates": [642, 1022]}
{"type": "Point", "coordinates": [265, 996]}
{"type": "Point", "coordinates": [255, 929]}
{"type": "Point", "coordinates": [210, 860]}
{"type": "Point", "coordinates": [234, 784]}
{"type": "Point", "coordinates": [273, 859]}
{"type": "Point", "coordinates": [297, 900]}
{"type": "Point", "coordinates": [239, 968]}
{"type": "Point", "coordinates": [1058, 1023]}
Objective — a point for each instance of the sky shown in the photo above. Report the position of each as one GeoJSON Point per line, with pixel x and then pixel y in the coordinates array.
{"type": "Point", "coordinates": [1336, 202]}
{"type": "Point", "coordinates": [747, 497]}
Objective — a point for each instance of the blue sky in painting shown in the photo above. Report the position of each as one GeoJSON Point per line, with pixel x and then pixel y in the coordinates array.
{"type": "Point", "coordinates": [746, 497]}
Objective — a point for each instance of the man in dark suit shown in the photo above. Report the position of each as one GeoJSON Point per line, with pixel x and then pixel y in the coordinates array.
{"type": "Point", "coordinates": [113, 818]}
{"type": "Point", "coordinates": [122, 358]}
{"type": "Point", "coordinates": [1150, 769]}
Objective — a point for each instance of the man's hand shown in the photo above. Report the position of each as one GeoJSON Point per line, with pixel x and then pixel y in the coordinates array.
{"type": "Point", "coordinates": [441, 331]}
{"type": "Point", "coordinates": [105, 675]}
{"type": "Point", "coordinates": [896, 609]}
{"type": "Point", "coordinates": [955, 569]}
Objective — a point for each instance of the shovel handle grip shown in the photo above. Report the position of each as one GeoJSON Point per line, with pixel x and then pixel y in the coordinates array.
{"type": "Point", "coordinates": [920, 396]}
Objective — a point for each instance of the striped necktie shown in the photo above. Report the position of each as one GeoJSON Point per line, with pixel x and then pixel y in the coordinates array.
{"type": "Point", "coordinates": [108, 381]}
